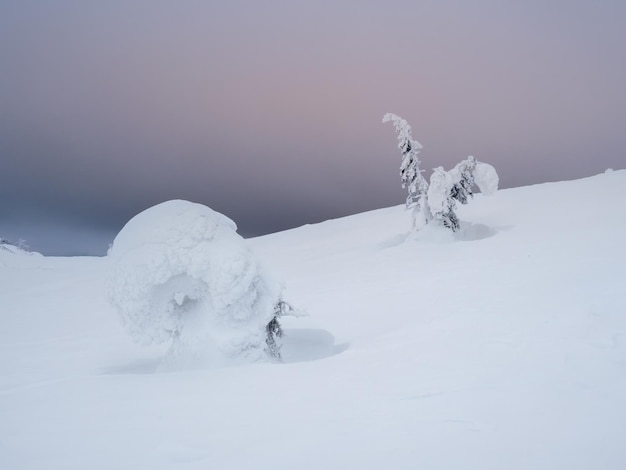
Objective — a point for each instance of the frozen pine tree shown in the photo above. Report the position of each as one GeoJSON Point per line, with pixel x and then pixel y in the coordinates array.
{"type": "Point", "coordinates": [274, 331]}
{"type": "Point", "coordinates": [437, 201]}
{"type": "Point", "coordinates": [410, 174]}
{"type": "Point", "coordinates": [449, 187]}
{"type": "Point", "coordinates": [471, 173]}
{"type": "Point", "coordinates": [20, 247]}
{"type": "Point", "coordinates": [441, 200]}
{"type": "Point", "coordinates": [463, 180]}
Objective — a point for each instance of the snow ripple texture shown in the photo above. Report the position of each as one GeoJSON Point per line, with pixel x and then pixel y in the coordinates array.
{"type": "Point", "coordinates": [179, 272]}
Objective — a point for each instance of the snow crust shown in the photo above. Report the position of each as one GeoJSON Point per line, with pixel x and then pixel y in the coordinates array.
{"type": "Point", "coordinates": [486, 178]}
{"type": "Point", "coordinates": [179, 272]}
{"type": "Point", "coordinates": [503, 351]}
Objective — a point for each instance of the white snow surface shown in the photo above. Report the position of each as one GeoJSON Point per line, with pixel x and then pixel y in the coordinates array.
{"type": "Point", "coordinates": [486, 178]}
{"type": "Point", "coordinates": [179, 273]}
{"type": "Point", "coordinates": [502, 350]}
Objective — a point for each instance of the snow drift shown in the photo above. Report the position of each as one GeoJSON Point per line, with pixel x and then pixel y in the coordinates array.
{"type": "Point", "coordinates": [499, 352]}
{"type": "Point", "coordinates": [179, 272]}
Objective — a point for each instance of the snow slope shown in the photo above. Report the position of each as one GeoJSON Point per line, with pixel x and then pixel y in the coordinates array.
{"type": "Point", "coordinates": [504, 350]}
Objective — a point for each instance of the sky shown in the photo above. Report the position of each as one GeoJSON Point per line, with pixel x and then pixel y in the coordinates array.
{"type": "Point", "coordinates": [270, 112]}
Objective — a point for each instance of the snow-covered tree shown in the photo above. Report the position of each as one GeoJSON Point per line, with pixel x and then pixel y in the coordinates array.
{"type": "Point", "coordinates": [273, 329]}
{"type": "Point", "coordinates": [410, 174]}
{"type": "Point", "coordinates": [463, 179]}
{"type": "Point", "coordinates": [438, 199]}
{"type": "Point", "coordinates": [448, 187]}
{"type": "Point", "coordinates": [179, 273]}
{"type": "Point", "coordinates": [20, 247]}
{"type": "Point", "coordinates": [441, 200]}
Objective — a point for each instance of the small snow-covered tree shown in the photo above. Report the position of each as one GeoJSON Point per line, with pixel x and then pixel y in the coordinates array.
{"type": "Point", "coordinates": [20, 247]}
{"type": "Point", "coordinates": [410, 173]}
{"type": "Point", "coordinates": [463, 180]}
{"type": "Point", "coordinates": [449, 187]}
{"type": "Point", "coordinates": [274, 330]}
{"type": "Point", "coordinates": [437, 200]}
{"type": "Point", "coordinates": [440, 199]}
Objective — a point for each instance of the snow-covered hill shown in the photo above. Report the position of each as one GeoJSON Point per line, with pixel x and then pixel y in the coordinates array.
{"type": "Point", "coordinates": [505, 349]}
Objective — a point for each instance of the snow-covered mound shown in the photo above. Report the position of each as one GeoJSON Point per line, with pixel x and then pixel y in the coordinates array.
{"type": "Point", "coordinates": [506, 350]}
{"type": "Point", "coordinates": [179, 272]}
{"type": "Point", "coordinates": [8, 247]}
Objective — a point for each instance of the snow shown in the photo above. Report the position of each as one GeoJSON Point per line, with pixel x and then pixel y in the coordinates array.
{"type": "Point", "coordinates": [180, 273]}
{"type": "Point", "coordinates": [6, 246]}
{"type": "Point", "coordinates": [505, 349]}
{"type": "Point", "coordinates": [486, 178]}
{"type": "Point", "coordinates": [441, 183]}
